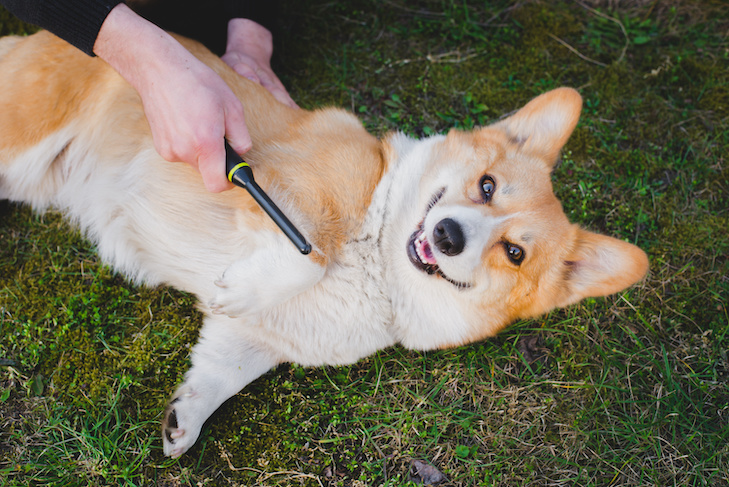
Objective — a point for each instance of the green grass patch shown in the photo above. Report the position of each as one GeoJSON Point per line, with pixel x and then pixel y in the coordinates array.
{"type": "Point", "coordinates": [628, 390]}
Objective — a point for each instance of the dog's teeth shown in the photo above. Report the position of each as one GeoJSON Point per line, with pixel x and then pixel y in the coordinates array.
{"type": "Point", "coordinates": [423, 250]}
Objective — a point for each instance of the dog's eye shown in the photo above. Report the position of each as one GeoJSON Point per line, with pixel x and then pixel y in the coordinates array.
{"type": "Point", "coordinates": [514, 252]}
{"type": "Point", "coordinates": [488, 186]}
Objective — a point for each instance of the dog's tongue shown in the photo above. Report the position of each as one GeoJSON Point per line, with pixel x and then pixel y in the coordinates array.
{"type": "Point", "coordinates": [424, 251]}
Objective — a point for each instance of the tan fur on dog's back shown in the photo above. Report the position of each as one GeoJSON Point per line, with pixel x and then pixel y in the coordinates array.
{"type": "Point", "coordinates": [44, 97]}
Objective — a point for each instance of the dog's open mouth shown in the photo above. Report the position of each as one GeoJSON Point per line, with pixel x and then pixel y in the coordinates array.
{"type": "Point", "coordinates": [420, 252]}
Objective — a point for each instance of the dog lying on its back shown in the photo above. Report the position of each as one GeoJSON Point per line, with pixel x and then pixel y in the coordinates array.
{"type": "Point", "coordinates": [428, 243]}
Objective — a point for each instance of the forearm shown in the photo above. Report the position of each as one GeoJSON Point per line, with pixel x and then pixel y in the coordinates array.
{"type": "Point", "coordinates": [135, 47]}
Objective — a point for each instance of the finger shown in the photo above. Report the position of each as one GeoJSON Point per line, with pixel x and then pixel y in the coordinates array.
{"type": "Point", "coordinates": [236, 130]}
{"type": "Point", "coordinates": [271, 82]}
{"type": "Point", "coordinates": [281, 95]}
{"type": "Point", "coordinates": [246, 71]}
{"type": "Point", "coordinates": [248, 68]}
{"type": "Point", "coordinates": [211, 165]}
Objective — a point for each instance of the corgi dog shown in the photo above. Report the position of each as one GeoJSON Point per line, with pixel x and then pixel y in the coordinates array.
{"type": "Point", "coordinates": [428, 243]}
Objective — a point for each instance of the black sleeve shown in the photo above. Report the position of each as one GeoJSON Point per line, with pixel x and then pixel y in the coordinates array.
{"type": "Point", "coordinates": [75, 21]}
{"type": "Point", "coordinates": [206, 21]}
{"type": "Point", "coordinates": [262, 12]}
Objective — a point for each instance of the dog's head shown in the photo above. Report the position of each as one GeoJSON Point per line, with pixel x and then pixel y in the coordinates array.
{"type": "Point", "coordinates": [479, 238]}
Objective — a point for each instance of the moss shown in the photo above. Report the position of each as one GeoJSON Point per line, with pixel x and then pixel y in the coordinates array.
{"type": "Point", "coordinates": [541, 22]}
{"type": "Point", "coordinates": [11, 25]}
{"type": "Point", "coordinates": [716, 98]}
{"type": "Point", "coordinates": [580, 144]}
{"type": "Point", "coordinates": [82, 327]}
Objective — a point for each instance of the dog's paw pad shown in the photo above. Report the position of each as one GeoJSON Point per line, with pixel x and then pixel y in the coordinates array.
{"type": "Point", "coordinates": [175, 438]}
{"type": "Point", "coordinates": [182, 422]}
{"type": "Point", "coordinates": [172, 431]}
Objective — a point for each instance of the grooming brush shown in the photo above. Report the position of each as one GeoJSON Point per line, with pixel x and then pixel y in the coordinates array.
{"type": "Point", "coordinates": [240, 174]}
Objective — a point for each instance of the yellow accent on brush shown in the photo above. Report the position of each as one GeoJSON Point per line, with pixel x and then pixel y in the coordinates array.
{"type": "Point", "coordinates": [235, 168]}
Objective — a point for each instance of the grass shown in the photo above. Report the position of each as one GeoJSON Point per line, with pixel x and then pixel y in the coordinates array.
{"type": "Point", "coordinates": [628, 390]}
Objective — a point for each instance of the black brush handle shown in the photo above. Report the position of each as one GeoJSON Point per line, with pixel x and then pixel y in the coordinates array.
{"type": "Point", "coordinates": [240, 174]}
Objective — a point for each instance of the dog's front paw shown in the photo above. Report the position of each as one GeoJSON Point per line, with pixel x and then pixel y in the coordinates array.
{"type": "Point", "coordinates": [235, 295]}
{"type": "Point", "coordinates": [181, 425]}
{"type": "Point", "coordinates": [264, 280]}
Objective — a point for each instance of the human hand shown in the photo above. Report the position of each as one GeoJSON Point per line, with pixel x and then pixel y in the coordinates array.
{"type": "Point", "coordinates": [190, 109]}
{"type": "Point", "coordinates": [248, 52]}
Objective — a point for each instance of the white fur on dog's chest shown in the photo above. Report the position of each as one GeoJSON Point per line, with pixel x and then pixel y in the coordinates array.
{"type": "Point", "coordinates": [343, 318]}
{"type": "Point", "coordinates": [348, 314]}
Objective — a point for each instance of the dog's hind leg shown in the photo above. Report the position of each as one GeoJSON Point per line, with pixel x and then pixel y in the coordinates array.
{"type": "Point", "coordinates": [223, 363]}
{"type": "Point", "coordinates": [271, 275]}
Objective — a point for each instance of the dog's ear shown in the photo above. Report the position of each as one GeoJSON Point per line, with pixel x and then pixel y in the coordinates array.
{"type": "Point", "coordinates": [544, 124]}
{"type": "Point", "coordinates": [599, 265]}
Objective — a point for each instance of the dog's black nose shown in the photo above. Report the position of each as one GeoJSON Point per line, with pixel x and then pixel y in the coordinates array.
{"type": "Point", "coordinates": [448, 237]}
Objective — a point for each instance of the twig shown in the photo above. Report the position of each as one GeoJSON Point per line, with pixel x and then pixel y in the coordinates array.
{"type": "Point", "coordinates": [590, 60]}
{"type": "Point", "coordinates": [437, 15]}
{"type": "Point", "coordinates": [425, 13]}
{"type": "Point", "coordinates": [452, 57]}
{"type": "Point", "coordinates": [612, 19]}
{"type": "Point", "coordinates": [263, 476]}
{"type": "Point", "coordinates": [604, 16]}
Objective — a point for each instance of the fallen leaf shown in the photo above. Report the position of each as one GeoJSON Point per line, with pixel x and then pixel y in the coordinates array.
{"type": "Point", "coordinates": [423, 473]}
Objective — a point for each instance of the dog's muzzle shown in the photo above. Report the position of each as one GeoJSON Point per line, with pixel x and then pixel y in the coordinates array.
{"type": "Point", "coordinates": [447, 237]}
